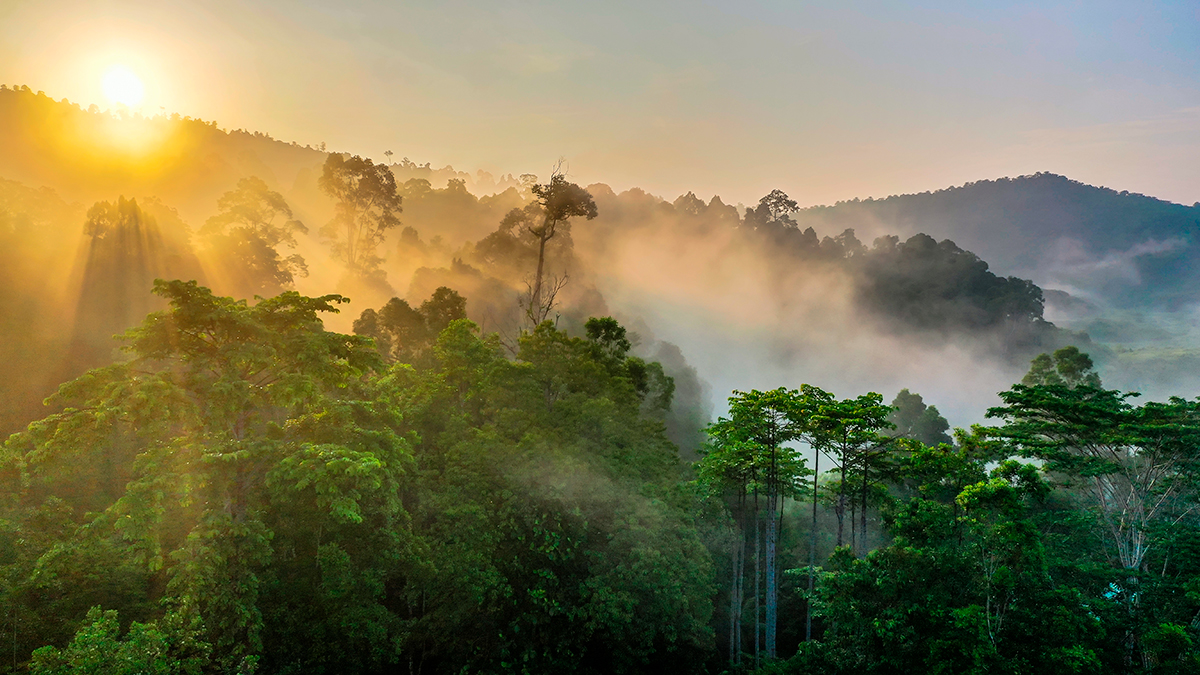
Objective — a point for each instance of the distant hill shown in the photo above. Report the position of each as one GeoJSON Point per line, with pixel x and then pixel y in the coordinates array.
{"type": "Point", "coordinates": [1124, 268]}
{"type": "Point", "coordinates": [1115, 248]}
{"type": "Point", "coordinates": [87, 155]}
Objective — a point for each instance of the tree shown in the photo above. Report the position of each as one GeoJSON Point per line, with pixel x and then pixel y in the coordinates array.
{"type": "Point", "coordinates": [175, 648]}
{"type": "Point", "coordinates": [966, 593]}
{"type": "Point", "coordinates": [752, 443]}
{"type": "Point", "coordinates": [1136, 464]}
{"type": "Point", "coordinates": [851, 430]}
{"type": "Point", "coordinates": [556, 542]}
{"type": "Point", "coordinates": [557, 202]}
{"type": "Point", "coordinates": [237, 435]}
{"type": "Point", "coordinates": [727, 470]}
{"type": "Point", "coordinates": [367, 207]}
{"type": "Point", "coordinates": [403, 334]}
{"type": "Point", "coordinates": [814, 401]}
{"type": "Point", "coordinates": [125, 252]}
{"type": "Point", "coordinates": [772, 215]}
{"type": "Point", "coordinates": [913, 419]}
{"type": "Point", "coordinates": [1067, 367]}
{"type": "Point", "coordinates": [252, 223]}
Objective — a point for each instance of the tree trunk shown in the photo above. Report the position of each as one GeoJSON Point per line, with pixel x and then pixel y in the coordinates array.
{"type": "Point", "coordinates": [733, 559]}
{"type": "Point", "coordinates": [757, 583]}
{"type": "Point", "coordinates": [853, 523]}
{"type": "Point", "coordinates": [840, 509]}
{"type": "Point", "coordinates": [812, 551]}
{"type": "Point", "coordinates": [772, 580]}
{"type": "Point", "coordinates": [535, 302]}
{"type": "Point", "coordinates": [742, 592]}
{"type": "Point", "coordinates": [863, 511]}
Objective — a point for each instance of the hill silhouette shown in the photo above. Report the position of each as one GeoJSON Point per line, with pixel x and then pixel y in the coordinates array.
{"type": "Point", "coordinates": [90, 154]}
{"type": "Point", "coordinates": [1118, 248]}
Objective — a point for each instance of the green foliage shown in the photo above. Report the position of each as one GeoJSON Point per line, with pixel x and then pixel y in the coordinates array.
{"type": "Point", "coordinates": [147, 649]}
{"type": "Point", "coordinates": [913, 419]}
{"type": "Point", "coordinates": [1067, 367]}
{"type": "Point", "coordinates": [260, 493]}
{"type": "Point", "coordinates": [962, 589]}
{"type": "Point", "coordinates": [931, 285]}
{"type": "Point", "coordinates": [403, 334]}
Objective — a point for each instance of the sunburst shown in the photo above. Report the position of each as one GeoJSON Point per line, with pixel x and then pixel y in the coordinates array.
{"type": "Point", "coordinates": [123, 87]}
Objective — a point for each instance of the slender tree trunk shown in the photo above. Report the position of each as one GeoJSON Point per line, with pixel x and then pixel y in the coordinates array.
{"type": "Point", "coordinates": [535, 302]}
{"type": "Point", "coordinates": [863, 510]}
{"type": "Point", "coordinates": [733, 559]}
{"type": "Point", "coordinates": [840, 509]}
{"type": "Point", "coordinates": [741, 596]}
{"type": "Point", "coordinates": [812, 550]}
{"type": "Point", "coordinates": [772, 578]}
{"type": "Point", "coordinates": [741, 578]}
{"type": "Point", "coordinates": [741, 588]}
{"type": "Point", "coordinates": [853, 524]}
{"type": "Point", "coordinates": [757, 583]}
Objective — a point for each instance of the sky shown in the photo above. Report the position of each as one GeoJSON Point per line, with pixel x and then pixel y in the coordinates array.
{"type": "Point", "coordinates": [825, 100]}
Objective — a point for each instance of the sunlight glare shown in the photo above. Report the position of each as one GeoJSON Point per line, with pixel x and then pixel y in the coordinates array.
{"type": "Point", "coordinates": [122, 87]}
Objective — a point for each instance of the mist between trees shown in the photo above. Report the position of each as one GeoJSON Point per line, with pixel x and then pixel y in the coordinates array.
{"type": "Point", "coordinates": [501, 456]}
{"type": "Point", "coordinates": [248, 492]}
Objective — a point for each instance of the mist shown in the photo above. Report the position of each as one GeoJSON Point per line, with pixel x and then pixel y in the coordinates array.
{"type": "Point", "coordinates": [746, 313]}
{"type": "Point", "coordinates": [277, 406]}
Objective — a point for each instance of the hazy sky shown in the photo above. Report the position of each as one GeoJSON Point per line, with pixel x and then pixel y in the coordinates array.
{"type": "Point", "coordinates": [827, 101]}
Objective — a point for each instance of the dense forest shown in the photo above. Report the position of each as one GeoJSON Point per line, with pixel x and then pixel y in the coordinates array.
{"type": "Point", "coordinates": [309, 413]}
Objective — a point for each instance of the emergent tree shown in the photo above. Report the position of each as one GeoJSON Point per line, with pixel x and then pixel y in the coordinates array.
{"type": "Point", "coordinates": [367, 207]}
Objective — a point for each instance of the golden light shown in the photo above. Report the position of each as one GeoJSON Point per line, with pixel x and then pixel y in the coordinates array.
{"type": "Point", "coordinates": [122, 87]}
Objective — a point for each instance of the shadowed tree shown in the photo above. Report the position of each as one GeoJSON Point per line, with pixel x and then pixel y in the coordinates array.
{"type": "Point", "coordinates": [1068, 367]}
{"type": "Point", "coordinates": [253, 221]}
{"type": "Point", "coordinates": [915, 420]}
{"type": "Point", "coordinates": [367, 207]}
{"type": "Point", "coordinates": [851, 430]}
{"type": "Point", "coordinates": [403, 334]}
{"type": "Point", "coordinates": [124, 255]}
{"type": "Point", "coordinates": [772, 213]}
{"type": "Point", "coordinates": [556, 203]}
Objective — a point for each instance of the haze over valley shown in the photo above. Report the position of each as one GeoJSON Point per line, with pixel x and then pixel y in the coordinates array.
{"type": "Point", "coordinates": [740, 338]}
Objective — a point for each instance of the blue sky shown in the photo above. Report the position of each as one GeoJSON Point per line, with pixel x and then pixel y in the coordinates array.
{"type": "Point", "coordinates": [827, 101]}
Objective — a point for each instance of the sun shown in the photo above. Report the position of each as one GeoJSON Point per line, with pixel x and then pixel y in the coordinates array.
{"type": "Point", "coordinates": [122, 87]}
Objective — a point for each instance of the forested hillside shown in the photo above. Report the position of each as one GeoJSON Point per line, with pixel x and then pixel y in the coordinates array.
{"type": "Point", "coordinates": [1113, 247]}
{"type": "Point", "coordinates": [309, 413]}
{"type": "Point", "coordinates": [248, 492]}
{"type": "Point", "coordinates": [247, 215]}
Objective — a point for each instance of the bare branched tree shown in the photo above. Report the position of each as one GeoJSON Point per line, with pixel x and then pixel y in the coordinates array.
{"type": "Point", "coordinates": [539, 299]}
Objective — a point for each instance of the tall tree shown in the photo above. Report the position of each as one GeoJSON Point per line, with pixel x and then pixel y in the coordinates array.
{"type": "Point", "coordinates": [228, 427]}
{"type": "Point", "coordinates": [759, 428]}
{"type": "Point", "coordinates": [814, 400]}
{"type": "Point", "coordinates": [125, 252]}
{"type": "Point", "coordinates": [558, 201]}
{"type": "Point", "coordinates": [252, 222]}
{"type": "Point", "coordinates": [1135, 463]}
{"type": "Point", "coordinates": [727, 470]}
{"type": "Point", "coordinates": [849, 429]}
{"type": "Point", "coordinates": [367, 207]}
{"type": "Point", "coordinates": [773, 213]}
